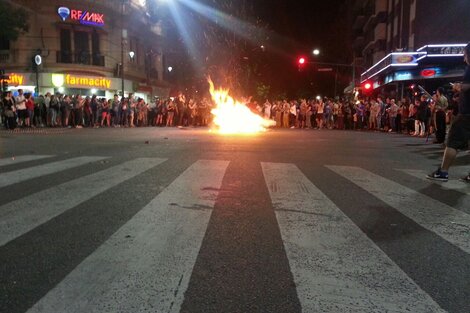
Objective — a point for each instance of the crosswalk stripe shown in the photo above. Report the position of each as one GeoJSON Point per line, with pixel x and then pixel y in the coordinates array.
{"type": "Point", "coordinates": [336, 267]}
{"type": "Point", "coordinates": [22, 158]}
{"type": "Point", "coordinates": [10, 178]}
{"type": "Point", "coordinates": [23, 215]}
{"type": "Point", "coordinates": [451, 224]}
{"type": "Point", "coordinates": [146, 265]}
{"type": "Point", "coordinates": [449, 185]}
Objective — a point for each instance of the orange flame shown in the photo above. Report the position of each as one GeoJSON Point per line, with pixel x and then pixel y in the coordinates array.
{"type": "Point", "coordinates": [233, 117]}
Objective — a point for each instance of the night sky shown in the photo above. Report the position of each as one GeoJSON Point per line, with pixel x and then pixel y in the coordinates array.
{"type": "Point", "coordinates": [311, 24]}
{"type": "Point", "coordinates": [293, 28]}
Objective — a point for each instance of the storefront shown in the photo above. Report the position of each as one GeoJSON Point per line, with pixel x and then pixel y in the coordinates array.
{"type": "Point", "coordinates": [431, 66]}
{"type": "Point", "coordinates": [71, 84]}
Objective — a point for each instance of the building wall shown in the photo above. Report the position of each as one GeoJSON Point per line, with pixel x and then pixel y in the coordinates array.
{"type": "Point", "coordinates": [143, 38]}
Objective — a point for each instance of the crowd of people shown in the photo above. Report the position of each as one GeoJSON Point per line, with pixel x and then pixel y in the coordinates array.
{"type": "Point", "coordinates": [420, 116]}
{"type": "Point", "coordinates": [58, 110]}
{"type": "Point", "coordinates": [417, 117]}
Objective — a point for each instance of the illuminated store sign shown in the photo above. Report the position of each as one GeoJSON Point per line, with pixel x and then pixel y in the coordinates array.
{"type": "Point", "coordinates": [59, 80]}
{"type": "Point", "coordinates": [411, 59]}
{"type": "Point", "coordinates": [395, 59]}
{"type": "Point", "coordinates": [15, 79]}
{"type": "Point", "coordinates": [84, 17]}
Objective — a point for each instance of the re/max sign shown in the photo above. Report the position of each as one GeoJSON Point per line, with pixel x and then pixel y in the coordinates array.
{"type": "Point", "coordinates": [86, 17]}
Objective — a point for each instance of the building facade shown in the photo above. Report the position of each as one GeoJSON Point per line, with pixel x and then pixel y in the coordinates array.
{"type": "Point", "coordinates": [384, 26]}
{"type": "Point", "coordinates": [87, 47]}
{"type": "Point", "coordinates": [401, 43]}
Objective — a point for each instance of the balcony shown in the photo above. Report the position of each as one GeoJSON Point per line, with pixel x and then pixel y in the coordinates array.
{"type": "Point", "coordinates": [83, 57]}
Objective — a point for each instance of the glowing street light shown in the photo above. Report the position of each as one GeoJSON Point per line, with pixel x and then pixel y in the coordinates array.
{"type": "Point", "coordinates": [170, 69]}
{"type": "Point", "coordinates": [316, 52]}
{"type": "Point", "coordinates": [131, 54]}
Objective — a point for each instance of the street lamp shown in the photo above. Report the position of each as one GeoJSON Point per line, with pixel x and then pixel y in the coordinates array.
{"type": "Point", "coordinates": [123, 38]}
{"type": "Point", "coordinates": [37, 61]}
{"type": "Point", "coordinates": [170, 69]}
{"type": "Point", "coordinates": [131, 54]}
{"type": "Point", "coordinates": [316, 52]}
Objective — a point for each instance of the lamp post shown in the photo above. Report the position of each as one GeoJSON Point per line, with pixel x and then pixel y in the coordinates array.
{"type": "Point", "coordinates": [37, 61]}
{"type": "Point", "coordinates": [123, 35]}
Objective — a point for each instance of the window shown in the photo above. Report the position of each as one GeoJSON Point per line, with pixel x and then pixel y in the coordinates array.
{"type": "Point", "coordinates": [82, 47]}
{"type": "Point", "coordinates": [97, 58]}
{"type": "Point", "coordinates": [65, 53]}
{"type": "Point", "coordinates": [4, 44]}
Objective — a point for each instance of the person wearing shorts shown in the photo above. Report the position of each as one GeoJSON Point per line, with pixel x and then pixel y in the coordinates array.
{"type": "Point", "coordinates": [459, 133]}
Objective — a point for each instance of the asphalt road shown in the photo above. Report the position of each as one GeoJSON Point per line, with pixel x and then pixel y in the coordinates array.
{"type": "Point", "coordinates": [184, 220]}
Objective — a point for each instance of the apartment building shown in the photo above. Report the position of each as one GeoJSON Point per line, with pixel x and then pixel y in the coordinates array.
{"type": "Point", "coordinates": [88, 47]}
{"type": "Point", "coordinates": [397, 41]}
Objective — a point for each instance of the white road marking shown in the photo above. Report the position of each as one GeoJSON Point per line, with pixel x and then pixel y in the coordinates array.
{"type": "Point", "coordinates": [451, 224]}
{"type": "Point", "coordinates": [336, 267]}
{"type": "Point", "coordinates": [452, 184]}
{"type": "Point", "coordinates": [22, 158]}
{"type": "Point", "coordinates": [23, 215]}
{"type": "Point", "coordinates": [10, 178]}
{"type": "Point", "coordinates": [146, 265]}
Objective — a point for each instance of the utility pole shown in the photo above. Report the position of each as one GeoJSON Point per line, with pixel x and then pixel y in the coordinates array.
{"type": "Point", "coordinates": [123, 31]}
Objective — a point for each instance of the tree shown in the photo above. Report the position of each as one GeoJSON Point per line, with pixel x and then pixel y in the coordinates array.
{"type": "Point", "coordinates": [13, 21]}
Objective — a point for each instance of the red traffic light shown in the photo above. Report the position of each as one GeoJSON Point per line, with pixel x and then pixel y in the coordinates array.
{"type": "Point", "coordinates": [301, 61]}
{"type": "Point", "coordinates": [367, 88]}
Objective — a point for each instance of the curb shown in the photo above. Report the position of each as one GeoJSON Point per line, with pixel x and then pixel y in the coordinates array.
{"type": "Point", "coordinates": [41, 131]}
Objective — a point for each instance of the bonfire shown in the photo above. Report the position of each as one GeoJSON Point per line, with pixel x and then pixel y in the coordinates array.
{"type": "Point", "coordinates": [234, 117]}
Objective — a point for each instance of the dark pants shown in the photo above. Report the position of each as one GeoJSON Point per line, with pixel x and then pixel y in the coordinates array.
{"type": "Point", "coordinates": [398, 123]}
{"type": "Point", "coordinates": [440, 126]}
{"type": "Point", "coordinates": [76, 117]}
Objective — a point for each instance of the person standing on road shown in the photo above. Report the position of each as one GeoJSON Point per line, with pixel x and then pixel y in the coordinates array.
{"type": "Point", "coordinates": [54, 107]}
{"type": "Point", "coordinates": [459, 133]}
{"type": "Point", "coordinates": [117, 111]}
{"type": "Point", "coordinates": [422, 106]}
{"type": "Point", "coordinates": [9, 111]}
{"type": "Point", "coordinates": [21, 111]}
{"type": "Point", "coordinates": [440, 108]}
{"type": "Point", "coordinates": [392, 115]}
{"type": "Point", "coordinates": [29, 120]}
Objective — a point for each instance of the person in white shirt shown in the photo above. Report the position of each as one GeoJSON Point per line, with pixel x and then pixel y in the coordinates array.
{"type": "Point", "coordinates": [20, 101]}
